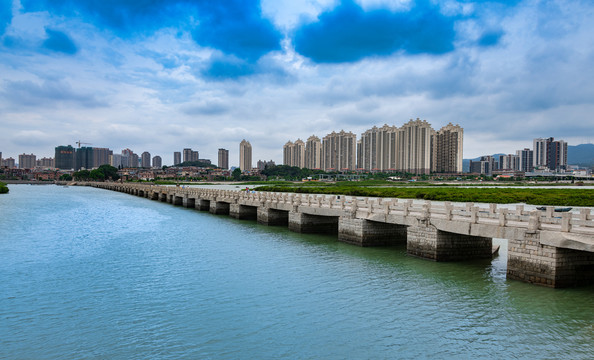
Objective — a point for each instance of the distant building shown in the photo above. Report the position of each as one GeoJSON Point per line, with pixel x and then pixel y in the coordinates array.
{"type": "Point", "coordinates": [484, 166]}
{"type": "Point", "coordinates": [157, 162]}
{"type": "Point", "coordinates": [447, 149]}
{"type": "Point", "coordinates": [129, 159]}
{"type": "Point", "coordinates": [414, 147]}
{"type": "Point", "coordinates": [245, 155]}
{"type": "Point", "coordinates": [264, 164]}
{"type": "Point", "coordinates": [525, 160]}
{"type": "Point", "coordinates": [509, 162]}
{"type": "Point", "coordinates": [190, 155]}
{"type": "Point", "coordinates": [288, 153]}
{"type": "Point", "coordinates": [115, 160]}
{"type": "Point", "coordinates": [64, 157]}
{"type": "Point", "coordinates": [27, 161]}
{"type": "Point", "coordinates": [339, 151]}
{"type": "Point", "coordinates": [46, 163]}
{"type": "Point", "coordinates": [294, 153]}
{"type": "Point", "coordinates": [84, 158]}
{"type": "Point", "coordinates": [223, 162]}
{"type": "Point", "coordinates": [9, 163]}
{"type": "Point", "coordinates": [145, 160]}
{"type": "Point", "coordinates": [313, 153]}
{"type": "Point", "coordinates": [101, 156]}
{"type": "Point", "coordinates": [541, 150]}
{"type": "Point", "coordinates": [176, 158]}
{"type": "Point", "coordinates": [377, 149]}
{"type": "Point", "coordinates": [557, 155]}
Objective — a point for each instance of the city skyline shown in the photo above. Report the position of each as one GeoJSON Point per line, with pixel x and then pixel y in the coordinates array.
{"type": "Point", "coordinates": [150, 77]}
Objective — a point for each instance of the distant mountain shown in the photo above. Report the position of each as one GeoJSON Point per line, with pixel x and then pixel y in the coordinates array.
{"type": "Point", "coordinates": [582, 155]}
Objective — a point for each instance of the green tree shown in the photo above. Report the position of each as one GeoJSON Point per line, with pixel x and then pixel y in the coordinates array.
{"type": "Point", "coordinates": [109, 172]}
{"type": "Point", "coordinates": [97, 175]}
{"type": "Point", "coordinates": [66, 177]}
{"type": "Point", "coordinates": [81, 175]}
{"type": "Point", "coordinates": [236, 174]}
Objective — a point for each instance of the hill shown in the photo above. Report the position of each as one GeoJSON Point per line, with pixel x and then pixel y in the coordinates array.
{"type": "Point", "coordinates": [582, 155]}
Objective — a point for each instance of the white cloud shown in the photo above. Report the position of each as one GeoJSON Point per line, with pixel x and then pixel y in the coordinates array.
{"type": "Point", "coordinates": [147, 92]}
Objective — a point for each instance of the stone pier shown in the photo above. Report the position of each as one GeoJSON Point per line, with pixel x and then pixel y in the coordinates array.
{"type": "Point", "coordinates": [189, 202]}
{"type": "Point", "coordinates": [163, 197]}
{"type": "Point", "coordinates": [202, 205]}
{"type": "Point", "coordinates": [177, 200]}
{"type": "Point", "coordinates": [272, 217]}
{"type": "Point", "coordinates": [307, 223]}
{"type": "Point", "coordinates": [243, 212]}
{"type": "Point", "coordinates": [426, 241]}
{"type": "Point", "coordinates": [363, 232]}
{"type": "Point", "coordinates": [531, 261]}
{"type": "Point", "coordinates": [219, 208]}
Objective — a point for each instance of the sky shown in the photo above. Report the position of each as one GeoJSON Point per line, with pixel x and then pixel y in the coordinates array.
{"type": "Point", "coordinates": [163, 75]}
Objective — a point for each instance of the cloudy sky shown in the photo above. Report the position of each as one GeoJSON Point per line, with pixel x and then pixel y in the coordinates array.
{"type": "Point", "coordinates": [161, 75]}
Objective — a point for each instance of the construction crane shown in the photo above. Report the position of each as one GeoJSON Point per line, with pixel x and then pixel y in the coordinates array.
{"type": "Point", "coordinates": [79, 142]}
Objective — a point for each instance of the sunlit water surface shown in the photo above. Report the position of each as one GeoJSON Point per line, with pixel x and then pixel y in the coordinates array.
{"type": "Point", "coordinates": [89, 273]}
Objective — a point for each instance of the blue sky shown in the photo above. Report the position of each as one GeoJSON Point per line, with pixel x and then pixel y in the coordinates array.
{"type": "Point", "coordinates": [161, 75]}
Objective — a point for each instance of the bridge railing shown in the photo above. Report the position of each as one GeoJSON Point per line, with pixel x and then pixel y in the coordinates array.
{"type": "Point", "coordinates": [582, 221]}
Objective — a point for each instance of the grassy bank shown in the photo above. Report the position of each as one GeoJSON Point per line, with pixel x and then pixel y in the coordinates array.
{"type": "Point", "coordinates": [533, 196]}
{"type": "Point", "coordinates": [3, 188]}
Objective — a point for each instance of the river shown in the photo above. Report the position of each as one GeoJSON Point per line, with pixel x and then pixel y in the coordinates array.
{"type": "Point", "coordinates": [89, 273]}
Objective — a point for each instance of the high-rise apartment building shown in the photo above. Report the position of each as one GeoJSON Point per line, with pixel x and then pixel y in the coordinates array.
{"type": "Point", "coordinates": [263, 164]}
{"type": "Point", "coordinates": [176, 158]}
{"type": "Point", "coordinates": [187, 152]}
{"type": "Point", "coordinates": [557, 155]}
{"type": "Point", "coordinates": [313, 153]}
{"type": "Point", "coordinates": [447, 149]}
{"type": "Point", "coordinates": [101, 156]}
{"type": "Point", "coordinates": [525, 160]}
{"type": "Point", "coordinates": [299, 154]}
{"type": "Point", "coordinates": [190, 155]}
{"type": "Point", "coordinates": [115, 160]}
{"type": "Point", "coordinates": [484, 166]}
{"type": "Point", "coordinates": [509, 162]}
{"type": "Point", "coordinates": [414, 147]}
{"type": "Point", "coordinates": [145, 159]}
{"type": "Point", "coordinates": [46, 163]}
{"type": "Point", "coordinates": [339, 151]}
{"type": "Point", "coordinates": [294, 153]}
{"type": "Point", "coordinates": [377, 149]}
{"type": "Point", "coordinates": [129, 159]}
{"type": "Point", "coordinates": [541, 151]}
{"type": "Point", "coordinates": [223, 162]}
{"type": "Point", "coordinates": [27, 161]}
{"type": "Point", "coordinates": [84, 158]}
{"type": "Point", "coordinates": [64, 157]}
{"type": "Point", "coordinates": [134, 160]}
{"type": "Point", "coordinates": [157, 162]}
{"type": "Point", "coordinates": [288, 153]}
{"type": "Point", "coordinates": [9, 163]}
{"type": "Point", "coordinates": [245, 155]}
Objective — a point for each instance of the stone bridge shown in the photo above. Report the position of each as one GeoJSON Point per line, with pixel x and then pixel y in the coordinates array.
{"type": "Point", "coordinates": [544, 247]}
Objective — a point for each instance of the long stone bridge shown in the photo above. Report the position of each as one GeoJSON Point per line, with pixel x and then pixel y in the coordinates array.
{"type": "Point", "coordinates": [544, 247]}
